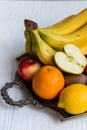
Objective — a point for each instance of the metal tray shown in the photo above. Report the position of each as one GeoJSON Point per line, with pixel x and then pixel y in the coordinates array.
{"type": "Point", "coordinates": [31, 98]}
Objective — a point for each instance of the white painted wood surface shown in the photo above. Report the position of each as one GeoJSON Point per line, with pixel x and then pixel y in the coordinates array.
{"type": "Point", "coordinates": [12, 15]}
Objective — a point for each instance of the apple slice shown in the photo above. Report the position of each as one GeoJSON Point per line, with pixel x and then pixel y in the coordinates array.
{"type": "Point", "coordinates": [72, 60]}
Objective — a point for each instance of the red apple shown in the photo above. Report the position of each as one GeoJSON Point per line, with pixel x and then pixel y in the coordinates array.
{"type": "Point", "coordinates": [27, 67]}
{"type": "Point", "coordinates": [85, 70]}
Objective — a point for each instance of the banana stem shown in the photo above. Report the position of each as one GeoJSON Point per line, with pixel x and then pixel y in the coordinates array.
{"type": "Point", "coordinates": [30, 24]}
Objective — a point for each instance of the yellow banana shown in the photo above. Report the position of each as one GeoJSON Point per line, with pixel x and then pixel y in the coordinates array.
{"type": "Point", "coordinates": [59, 24]}
{"type": "Point", "coordinates": [39, 47]}
{"type": "Point", "coordinates": [28, 43]}
{"type": "Point", "coordinates": [33, 47]}
{"type": "Point", "coordinates": [55, 27]}
{"type": "Point", "coordinates": [42, 50]}
{"type": "Point", "coordinates": [27, 47]}
{"type": "Point", "coordinates": [84, 47]}
{"type": "Point", "coordinates": [78, 38]}
{"type": "Point", "coordinates": [26, 34]}
{"type": "Point", "coordinates": [29, 26]}
{"type": "Point", "coordinates": [69, 24]}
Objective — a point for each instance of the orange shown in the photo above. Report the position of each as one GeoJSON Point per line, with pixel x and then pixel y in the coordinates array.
{"type": "Point", "coordinates": [48, 82]}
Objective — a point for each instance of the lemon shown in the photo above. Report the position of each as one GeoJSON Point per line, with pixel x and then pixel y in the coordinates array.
{"type": "Point", "coordinates": [73, 99]}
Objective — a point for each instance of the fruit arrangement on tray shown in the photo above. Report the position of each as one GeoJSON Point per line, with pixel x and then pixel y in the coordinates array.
{"type": "Point", "coordinates": [54, 69]}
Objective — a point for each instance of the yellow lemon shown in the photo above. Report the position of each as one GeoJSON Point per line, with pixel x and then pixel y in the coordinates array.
{"type": "Point", "coordinates": [73, 99]}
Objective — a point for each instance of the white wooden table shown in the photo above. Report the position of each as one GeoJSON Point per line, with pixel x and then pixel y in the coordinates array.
{"type": "Point", "coordinates": [12, 15]}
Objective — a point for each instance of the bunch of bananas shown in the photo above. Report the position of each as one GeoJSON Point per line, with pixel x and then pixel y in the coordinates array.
{"type": "Point", "coordinates": [45, 42]}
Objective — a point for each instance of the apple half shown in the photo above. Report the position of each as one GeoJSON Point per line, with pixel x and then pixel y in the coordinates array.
{"type": "Point", "coordinates": [71, 60]}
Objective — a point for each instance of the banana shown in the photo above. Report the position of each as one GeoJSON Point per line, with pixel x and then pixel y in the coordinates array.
{"type": "Point", "coordinates": [59, 24]}
{"type": "Point", "coordinates": [69, 24]}
{"type": "Point", "coordinates": [55, 27]}
{"type": "Point", "coordinates": [29, 26]}
{"type": "Point", "coordinates": [57, 42]}
{"type": "Point", "coordinates": [33, 44]}
{"type": "Point", "coordinates": [43, 51]}
{"type": "Point", "coordinates": [39, 47]}
{"type": "Point", "coordinates": [28, 43]}
{"type": "Point", "coordinates": [84, 47]}
{"type": "Point", "coordinates": [26, 34]}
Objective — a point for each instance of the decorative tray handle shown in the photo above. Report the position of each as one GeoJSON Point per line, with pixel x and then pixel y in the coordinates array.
{"type": "Point", "coordinates": [29, 98]}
